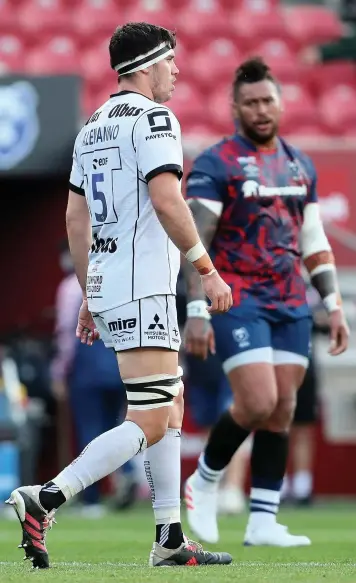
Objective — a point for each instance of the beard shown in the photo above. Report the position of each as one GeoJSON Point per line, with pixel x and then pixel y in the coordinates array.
{"type": "Point", "coordinates": [255, 136]}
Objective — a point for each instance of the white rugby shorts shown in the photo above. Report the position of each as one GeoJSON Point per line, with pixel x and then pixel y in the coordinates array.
{"type": "Point", "coordinates": [147, 323]}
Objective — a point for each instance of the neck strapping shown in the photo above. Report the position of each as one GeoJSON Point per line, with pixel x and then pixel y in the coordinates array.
{"type": "Point", "coordinates": [142, 61]}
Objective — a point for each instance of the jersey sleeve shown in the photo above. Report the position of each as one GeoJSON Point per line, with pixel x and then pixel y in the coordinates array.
{"type": "Point", "coordinates": [312, 195]}
{"type": "Point", "coordinates": [206, 179]}
{"type": "Point", "coordinates": [207, 182]}
{"type": "Point", "coordinates": [157, 141]}
{"type": "Point", "coordinates": [76, 180]}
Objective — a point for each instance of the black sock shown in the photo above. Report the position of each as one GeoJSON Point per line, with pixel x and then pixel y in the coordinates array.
{"type": "Point", "coordinates": [269, 459]}
{"type": "Point", "coordinates": [51, 496]}
{"type": "Point", "coordinates": [169, 536]}
{"type": "Point", "coordinates": [225, 438]}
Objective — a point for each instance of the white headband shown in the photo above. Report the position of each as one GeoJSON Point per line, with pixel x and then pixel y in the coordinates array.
{"type": "Point", "coordinates": [142, 61]}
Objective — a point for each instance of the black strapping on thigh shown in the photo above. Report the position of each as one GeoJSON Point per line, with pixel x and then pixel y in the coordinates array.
{"type": "Point", "coordinates": [141, 387]}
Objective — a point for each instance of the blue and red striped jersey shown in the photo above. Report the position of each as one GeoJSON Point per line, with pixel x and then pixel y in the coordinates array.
{"type": "Point", "coordinates": [261, 195]}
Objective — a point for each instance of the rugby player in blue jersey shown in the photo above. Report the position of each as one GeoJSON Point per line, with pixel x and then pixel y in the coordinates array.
{"type": "Point", "coordinates": [254, 200]}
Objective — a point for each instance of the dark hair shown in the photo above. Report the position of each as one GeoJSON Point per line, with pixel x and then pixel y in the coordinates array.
{"type": "Point", "coordinates": [251, 71]}
{"type": "Point", "coordinates": [137, 38]}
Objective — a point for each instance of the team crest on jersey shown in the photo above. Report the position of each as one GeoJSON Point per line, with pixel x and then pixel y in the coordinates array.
{"type": "Point", "coordinates": [249, 166]}
{"type": "Point", "coordinates": [19, 124]}
{"type": "Point", "coordinates": [242, 337]}
{"type": "Point", "coordinates": [296, 171]}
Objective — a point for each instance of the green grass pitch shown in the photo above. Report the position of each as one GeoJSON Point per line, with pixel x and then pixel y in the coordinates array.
{"type": "Point", "coordinates": [116, 549]}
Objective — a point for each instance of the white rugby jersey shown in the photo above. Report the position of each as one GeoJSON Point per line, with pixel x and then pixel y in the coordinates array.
{"type": "Point", "coordinates": [127, 142]}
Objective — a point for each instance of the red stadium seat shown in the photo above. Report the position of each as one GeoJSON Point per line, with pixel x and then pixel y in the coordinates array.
{"type": "Point", "coordinates": [92, 99]}
{"type": "Point", "coordinates": [350, 132]}
{"type": "Point", "coordinates": [309, 131]}
{"type": "Point", "coordinates": [215, 63]}
{"type": "Point", "coordinates": [282, 60]}
{"type": "Point", "coordinates": [155, 12]}
{"type": "Point", "coordinates": [8, 16]}
{"type": "Point", "coordinates": [44, 16]}
{"type": "Point", "coordinates": [327, 75]}
{"type": "Point", "coordinates": [299, 108]}
{"type": "Point", "coordinates": [312, 25]}
{"type": "Point", "coordinates": [338, 108]}
{"type": "Point", "coordinates": [257, 22]}
{"type": "Point", "coordinates": [96, 17]}
{"type": "Point", "coordinates": [12, 52]}
{"type": "Point", "coordinates": [59, 55]}
{"type": "Point", "coordinates": [172, 4]}
{"type": "Point", "coordinates": [218, 108]}
{"type": "Point", "coordinates": [199, 22]}
{"type": "Point", "coordinates": [95, 64]}
{"type": "Point", "coordinates": [201, 133]}
{"type": "Point", "coordinates": [187, 104]}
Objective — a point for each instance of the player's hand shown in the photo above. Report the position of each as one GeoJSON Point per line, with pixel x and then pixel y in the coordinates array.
{"type": "Point", "coordinates": [199, 338]}
{"type": "Point", "coordinates": [218, 292]}
{"type": "Point", "coordinates": [339, 333]}
{"type": "Point", "coordinates": [86, 330]}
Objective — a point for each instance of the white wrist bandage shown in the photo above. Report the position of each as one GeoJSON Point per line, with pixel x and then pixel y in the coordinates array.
{"type": "Point", "coordinates": [195, 252]}
{"type": "Point", "coordinates": [197, 309]}
{"type": "Point", "coordinates": [331, 303]}
{"type": "Point", "coordinates": [210, 273]}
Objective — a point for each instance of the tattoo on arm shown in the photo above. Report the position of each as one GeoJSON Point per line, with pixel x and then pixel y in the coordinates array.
{"type": "Point", "coordinates": [206, 223]}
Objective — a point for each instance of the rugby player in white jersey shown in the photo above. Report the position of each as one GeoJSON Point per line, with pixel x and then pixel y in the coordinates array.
{"type": "Point", "coordinates": [125, 206]}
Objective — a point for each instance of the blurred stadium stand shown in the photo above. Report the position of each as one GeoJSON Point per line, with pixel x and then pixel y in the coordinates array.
{"type": "Point", "coordinates": [57, 37]}
{"type": "Point", "coordinates": [62, 36]}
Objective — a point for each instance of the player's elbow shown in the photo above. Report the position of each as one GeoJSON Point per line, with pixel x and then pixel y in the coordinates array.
{"type": "Point", "coordinates": [313, 237]}
{"type": "Point", "coordinates": [314, 241]}
{"type": "Point", "coordinates": [73, 222]}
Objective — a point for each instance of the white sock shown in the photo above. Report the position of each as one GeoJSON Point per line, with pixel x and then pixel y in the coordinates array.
{"type": "Point", "coordinates": [101, 457]}
{"type": "Point", "coordinates": [264, 506]}
{"type": "Point", "coordinates": [302, 484]}
{"type": "Point", "coordinates": [162, 465]}
{"type": "Point", "coordinates": [205, 478]}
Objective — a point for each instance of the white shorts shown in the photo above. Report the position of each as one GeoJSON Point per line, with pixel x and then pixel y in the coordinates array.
{"type": "Point", "coordinates": [150, 322]}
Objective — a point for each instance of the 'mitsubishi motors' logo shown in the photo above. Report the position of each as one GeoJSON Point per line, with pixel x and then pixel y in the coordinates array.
{"type": "Point", "coordinates": [19, 125]}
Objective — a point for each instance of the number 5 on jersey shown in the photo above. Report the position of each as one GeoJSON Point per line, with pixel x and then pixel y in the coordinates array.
{"type": "Point", "coordinates": [103, 171]}
{"type": "Point", "coordinates": [97, 180]}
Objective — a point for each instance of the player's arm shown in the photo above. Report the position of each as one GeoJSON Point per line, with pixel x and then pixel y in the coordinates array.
{"type": "Point", "coordinates": [79, 235]}
{"type": "Point", "coordinates": [157, 142]}
{"type": "Point", "coordinates": [205, 186]}
{"type": "Point", "coordinates": [320, 263]}
{"type": "Point", "coordinates": [78, 222]}
{"type": "Point", "coordinates": [176, 218]}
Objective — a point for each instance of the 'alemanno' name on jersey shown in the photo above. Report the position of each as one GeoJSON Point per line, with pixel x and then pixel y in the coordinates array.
{"type": "Point", "coordinates": [127, 142]}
